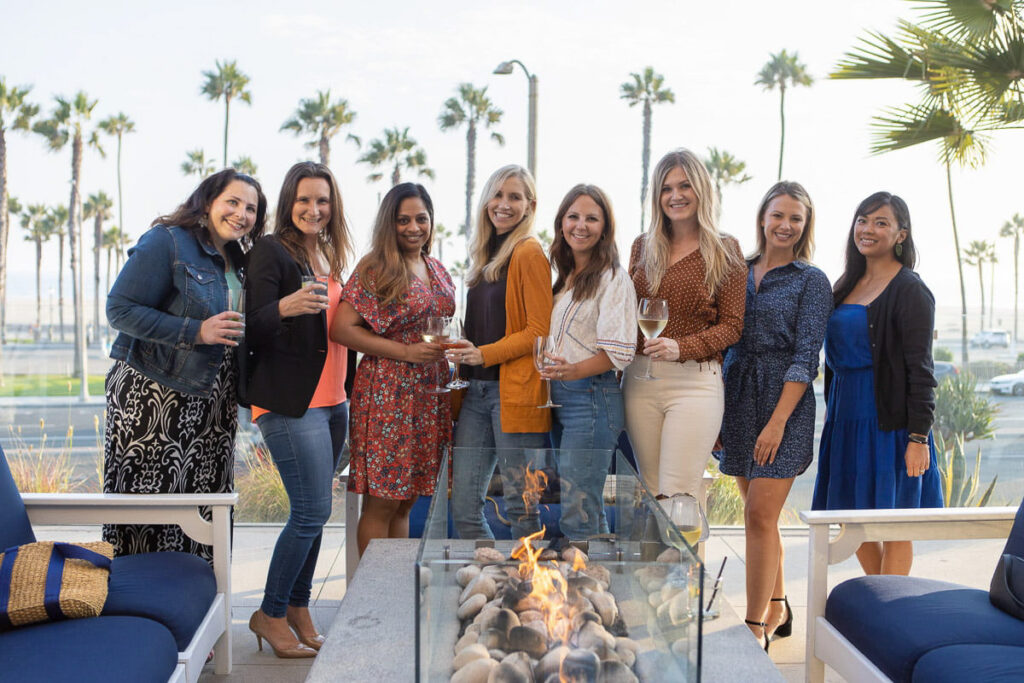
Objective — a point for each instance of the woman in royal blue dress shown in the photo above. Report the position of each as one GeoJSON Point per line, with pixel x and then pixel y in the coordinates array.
{"type": "Point", "coordinates": [876, 446]}
{"type": "Point", "coordinates": [768, 433]}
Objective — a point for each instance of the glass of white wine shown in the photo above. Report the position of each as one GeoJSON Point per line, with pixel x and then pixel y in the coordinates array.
{"type": "Point", "coordinates": [435, 331]}
{"type": "Point", "coordinates": [652, 317]}
{"type": "Point", "coordinates": [542, 346]}
{"type": "Point", "coordinates": [455, 335]}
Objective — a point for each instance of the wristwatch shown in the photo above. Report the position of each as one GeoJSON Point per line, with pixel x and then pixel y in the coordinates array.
{"type": "Point", "coordinates": [918, 438]}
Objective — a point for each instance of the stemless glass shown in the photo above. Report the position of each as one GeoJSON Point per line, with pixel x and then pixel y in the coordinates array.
{"type": "Point", "coordinates": [237, 305]}
{"type": "Point", "coordinates": [542, 346]}
{"type": "Point", "coordinates": [455, 335]}
{"type": "Point", "coordinates": [435, 331]}
{"type": "Point", "coordinates": [652, 317]}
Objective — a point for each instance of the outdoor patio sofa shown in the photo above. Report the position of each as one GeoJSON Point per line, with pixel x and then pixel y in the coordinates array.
{"type": "Point", "coordinates": [906, 628]}
{"type": "Point", "coordinates": [165, 612]}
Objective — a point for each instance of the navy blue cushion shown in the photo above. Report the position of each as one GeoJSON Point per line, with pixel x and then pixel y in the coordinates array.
{"type": "Point", "coordinates": [14, 526]}
{"type": "Point", "coordinates": [174, 589]}
{"type": "Point", "coordinates": [894, 620]}
{"type": "Point", "coordinates": [959, 663]}
{"type": "Point", "coordinates": [81, 650]}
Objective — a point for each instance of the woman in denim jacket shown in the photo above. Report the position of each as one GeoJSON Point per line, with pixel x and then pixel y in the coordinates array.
{"type": "Point", "coordinates": [171, 408]}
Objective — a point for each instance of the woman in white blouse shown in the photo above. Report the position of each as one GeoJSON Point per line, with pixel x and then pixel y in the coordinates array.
{"type": "Point", "coordinates": [594, 326]}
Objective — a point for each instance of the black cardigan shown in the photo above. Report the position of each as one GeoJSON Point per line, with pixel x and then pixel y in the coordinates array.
{"type": "Point", "coordinates": [901, 321]}
{"type": "Point", "coordinates": [282, 357]}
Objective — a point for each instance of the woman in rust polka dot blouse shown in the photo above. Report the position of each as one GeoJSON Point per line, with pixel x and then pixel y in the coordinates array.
{"type": "Point", "coordinates": [673, 421]}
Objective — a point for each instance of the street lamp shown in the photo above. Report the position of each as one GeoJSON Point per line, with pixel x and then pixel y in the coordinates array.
{"type": "Point", "coordinates": [505, 68]}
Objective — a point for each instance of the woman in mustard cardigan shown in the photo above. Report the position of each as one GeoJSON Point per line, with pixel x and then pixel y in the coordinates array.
{"type": "Point", "coordinates": [507, 307]}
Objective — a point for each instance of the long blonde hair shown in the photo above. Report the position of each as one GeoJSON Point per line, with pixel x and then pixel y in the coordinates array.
{"type": "Point", "coordinates": [719, 260]}
{"type": "Point", "coordinates": [481, 265]}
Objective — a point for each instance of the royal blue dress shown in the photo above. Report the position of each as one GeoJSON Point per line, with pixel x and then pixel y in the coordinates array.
{"type": "Point", "coordinates": [859, 465]}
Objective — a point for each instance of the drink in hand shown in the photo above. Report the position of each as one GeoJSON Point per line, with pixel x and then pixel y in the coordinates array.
{"type": "Point", "coordinates": [652, 327]}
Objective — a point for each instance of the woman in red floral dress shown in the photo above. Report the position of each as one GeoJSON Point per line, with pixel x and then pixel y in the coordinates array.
{"type": "Point", "coordinates": [397, 430]}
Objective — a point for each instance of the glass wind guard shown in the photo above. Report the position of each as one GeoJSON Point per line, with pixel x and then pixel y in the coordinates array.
{"type": "Point", "coordinates": [634, 602]}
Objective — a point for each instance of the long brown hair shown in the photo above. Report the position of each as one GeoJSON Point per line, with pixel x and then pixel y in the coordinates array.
{"type": "Point", "coordinates": [604, 255]}
{"type": "Point", "coordinates": [856, 264]}
{"type": "Point", "coordinates": [334, 241]}
{"type": "Point", "coordinates": [480, 265]}
{"type": "Point", "coordinates": [384, 263]}
{"type": "Point", "coordinates": [192, 212]}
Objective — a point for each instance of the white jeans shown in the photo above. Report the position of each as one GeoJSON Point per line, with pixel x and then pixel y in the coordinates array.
{"type": "Point", "coordinates": [673, 422]}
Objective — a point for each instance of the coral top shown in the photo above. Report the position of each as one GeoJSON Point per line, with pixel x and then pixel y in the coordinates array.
{"type": "Point", "coordinates": [703, 325]}
{"type": "Point", "coordinates": [330, 390]}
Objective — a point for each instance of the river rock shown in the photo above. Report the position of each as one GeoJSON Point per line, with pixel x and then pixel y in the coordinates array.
{"type": "Point", "coordinates": [571, 553]}
{"type": "Point", "coordinates": [473, 628]}
{"type": "Point", "coordinates": [530, 602]}
{"type": "Point", "coordinates": [600, 573]}
{"type": "Point", "coordinates": [547, 555]}
{"type": "Point", "coordinates": [471, 606]}
{"type": "Point", "coordinates": [592, 637]}
{"type": "Point", "coordinates": [494, 639]}
{"type": "Point", "coordinates": [539, 626]}
{"type": "Point", "coordinates": [516, 668]}
{"type": "Point", "coordinates": [669, 555]}
{"type": "Point", "coordinates": [497, 655]}
{"type": "Point", "coordinates": [530, 615]}
{"type": "Point", "coordinates": [466, 640]}
{"type": "Point", "coordinates": [605, 606]}
{"type": "Point", "coordinates": [503, 620]}
{"type": "Point", "coordinates": [467, 574]}
{"type": "Point", "coordinates": [485, 614]}
{"type": "Point", "coordinates": [616, 672]}
{"type": "Point", "coordinates": [526, 639]}
{"type": "Point", "coordinates": [481, 585]}
{"type": "Point", "coordinates": [488, 556]}
{"type": "Point", "coordinates": [581, 665]}
{"type": "Point", "coordinates": [583, 582]}
{"type": "Point", "coordinates": [550, 663]}
{"type": "Point", "coordinates": [468, 654]}
{"type": "Point", "coordinates": [476, 671]}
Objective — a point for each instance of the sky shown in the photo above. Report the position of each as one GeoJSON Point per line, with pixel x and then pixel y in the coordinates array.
{"type": "Point", "coordinates": [397, 62]}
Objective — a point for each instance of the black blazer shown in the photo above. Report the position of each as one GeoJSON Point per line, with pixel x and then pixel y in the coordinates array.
{"type": "Point", "coordinates": [282, 358]}
{"type": "Point", "coordinates": [900, 325]}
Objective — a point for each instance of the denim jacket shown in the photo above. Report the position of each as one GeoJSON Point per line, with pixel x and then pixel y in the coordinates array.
{"type": "Point", "coordinates": [169, 285]}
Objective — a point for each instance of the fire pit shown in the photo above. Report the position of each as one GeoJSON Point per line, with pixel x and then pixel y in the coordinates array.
{"type": "Point", "coordinates": [619, 606]}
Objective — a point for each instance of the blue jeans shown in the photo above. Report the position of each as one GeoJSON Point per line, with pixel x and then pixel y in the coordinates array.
{"type": "Point", "coordinates": [306, 451]}
{"type": "Point", "coordinates": [585, 430]}
{"type": "Point", "coordinates": [479, 429]}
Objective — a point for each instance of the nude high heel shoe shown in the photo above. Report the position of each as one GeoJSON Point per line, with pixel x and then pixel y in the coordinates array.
{"type": "Point", "coordinates": [297, 651]}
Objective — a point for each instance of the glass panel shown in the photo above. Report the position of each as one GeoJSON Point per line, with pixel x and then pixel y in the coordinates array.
{"type": "Point", "coordinates": [641, 583]}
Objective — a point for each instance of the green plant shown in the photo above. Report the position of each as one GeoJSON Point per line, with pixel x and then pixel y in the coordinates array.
{"type": "Point", "coordinates": [261, 494]}
{"type": "Point", "coordinates": [39, 471]}
{"type": "Point", "coordinates": [725, 504]}
{"type": "Point", "coordinates": [943, 354]}
{"type": "Point", "coordinates": [959, 489]}
{"type": "Point", "coordinates": [960, 409]}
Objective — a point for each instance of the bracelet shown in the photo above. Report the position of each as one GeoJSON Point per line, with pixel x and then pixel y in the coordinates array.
{"type": "Point", "coordinates": [917, 438]}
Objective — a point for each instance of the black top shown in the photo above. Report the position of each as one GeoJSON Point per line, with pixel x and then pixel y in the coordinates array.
{"type": "Point", "coordinates": [282, 357]}
{"type": "Point", "coordinates": [485, 313]}
{"type": "Point", "coordinates": [901, 321]}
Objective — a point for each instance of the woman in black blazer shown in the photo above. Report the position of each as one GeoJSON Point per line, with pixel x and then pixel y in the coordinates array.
{"type": "Point", "coordinates": [295, 382]}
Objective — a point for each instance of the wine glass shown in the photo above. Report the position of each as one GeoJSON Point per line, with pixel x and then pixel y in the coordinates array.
{"type": "Point", "coordinates": [542, 346]}
{"type": "Point", "coordinates": [455, 335]}
{"type": "Point", "coordinates": [435, 331]}
{"type": "Point", "coordinates": [652, 317]}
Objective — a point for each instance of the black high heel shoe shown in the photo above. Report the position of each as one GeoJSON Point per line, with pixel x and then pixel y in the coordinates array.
{"type": "Point", "coordinates": [764, 631]}
{"type": "Point", "coordinates": [785, 629]}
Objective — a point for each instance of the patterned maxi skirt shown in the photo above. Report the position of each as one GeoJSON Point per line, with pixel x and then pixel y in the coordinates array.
{"type": "Point", "coordinates": [159, 440]}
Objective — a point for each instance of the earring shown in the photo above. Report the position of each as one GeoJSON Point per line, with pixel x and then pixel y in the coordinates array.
{"type": "Point", "coordinates": [899, 249]}
{"type": "Point", "coordinates": [203, 222]}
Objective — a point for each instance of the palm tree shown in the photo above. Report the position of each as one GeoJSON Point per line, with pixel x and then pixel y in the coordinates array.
{"type": "Point", "coordinates": [66, 123]}
{"type": "Point", "coordinates": [473, 108]}
{"type": "Point", "coordinates": [992, 259]}
{"type": "Point", "coordinates": [33, 220]}
{"type": "Point", "coordinates": [441, 236]}
{"type": "Point", "coordinates": [15, 114]}
{"type": "Point", "coordinates": [55, 219]}
{"type": "Point", "coordinates": [976, 254]}
{"type": "Point", "coordinates": [197, 164]}
{"type": "Point", "coordinates": [396, 147]}
{"type": "Point", "coordinates": [323, 119]}
{"type": "Point", "coordinates": [227, 82]}
{"type": "Point", "coordinates": [781, 71]}
{"type": "Point", "coordinates": [244, 165]}
{"type": "Point", "coordinates": [645, 88]}
{"type": "Point", "coordinates": [118, 125]}
{"type": "Point", "coordinates": [968, 59]}
{"type": "Point", "coordinates": [97, 207]}
{"type": "Point", "coordinates": [1014, 228]}
{"type": "Point", "coordinates": [725, 169]}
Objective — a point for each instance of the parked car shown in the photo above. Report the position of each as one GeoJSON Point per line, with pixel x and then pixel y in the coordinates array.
{"type": "Point", "coordinates": [944, 369]}
{"type": "Point", "coordinates": [1008, 384]}
{"type": "Point", "coordinates": [987, 338]}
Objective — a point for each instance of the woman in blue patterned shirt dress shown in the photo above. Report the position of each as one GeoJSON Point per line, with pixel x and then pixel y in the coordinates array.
{"type": "Point", "coordinates": [768, 430]}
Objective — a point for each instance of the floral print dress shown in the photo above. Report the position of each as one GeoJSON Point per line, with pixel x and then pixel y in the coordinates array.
{"type": "Point", "coordinates": [398, 431]}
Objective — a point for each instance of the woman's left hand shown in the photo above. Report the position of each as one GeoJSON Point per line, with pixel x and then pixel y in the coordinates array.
{"type": "Point", "coordinates": [767, 446]}
{"type": "Point", "coordinates": [918, 458]}
{"type": "Point", "coordinates": [560, 369]}
{"type": "Point", "coordinates": [662, 348]}
{"type": "Point", "coordinates": [465, 353]}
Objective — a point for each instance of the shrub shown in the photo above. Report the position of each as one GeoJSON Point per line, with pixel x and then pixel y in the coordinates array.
{"type": "Point", "coordinates": [261, 494]}
{"type": "Point", "coordinates": [959, 489]}
{"type": "Point", "coordinates": [960, 409]}
{"type": "Point", "coordinates": [39, 471]}
{"type": "Point", "coordinates": [725, 504]}
{"type": "Point", "coordinates": [942, 353]}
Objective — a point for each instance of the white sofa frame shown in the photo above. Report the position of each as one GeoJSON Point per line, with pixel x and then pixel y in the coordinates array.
{"type": "Point", "coordinates": [214, 633]}
{"type": "Point", "coordinates": [825, 645]}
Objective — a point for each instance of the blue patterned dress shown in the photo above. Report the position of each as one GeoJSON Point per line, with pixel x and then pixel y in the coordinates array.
{"type": "Point", "coordinates": [783, 329]}
{"type": "Point", "coordinates": [860, 466]}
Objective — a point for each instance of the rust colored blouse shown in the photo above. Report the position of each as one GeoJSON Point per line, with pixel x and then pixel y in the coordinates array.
{"type": "Point", "coordinates": [703, 325]}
